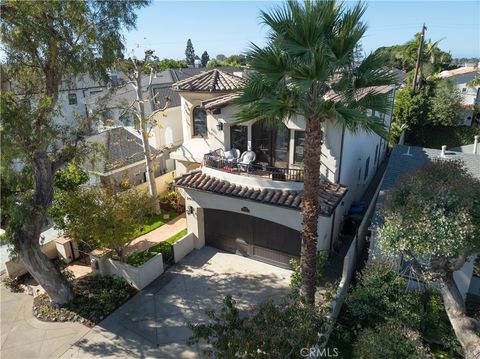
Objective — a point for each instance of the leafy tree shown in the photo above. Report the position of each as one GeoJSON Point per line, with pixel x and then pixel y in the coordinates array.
{"type": "Point", "coordinates": [71, 177]}
{"type": "Point", "coordinates": [475, 82]}
{"type": "Point", "coordinates": [102, 219]}
{"type": "Point", "coordinates": [390, 340]}
{"type": "Point", "coordinates": [220, 57]}
{"type": "Point", "coordinates": [134, 70]}
{"type": "Point", "coordinates": [411, 108]}
{"type": "Point", "coordinates": [166, 64]}
{"type": "Point", "coordinates": [269, 331]}
{"type": "Point", "coordinates": [190, 53]}
{"type": "Point", "coordinates": [205, 58]}
{"type": "Point", "coordinates": [295, 76]}
{"type": "Point", "coordinates": [446, 105]}
{"type": "Point", "coordinates": [404, 57]}
{"type": "Point", "coordinates": [432, 218]}
{"type": "Point", "coordinates": [47, 43]}
{"type": "Point", "coordinates": [213, 63]}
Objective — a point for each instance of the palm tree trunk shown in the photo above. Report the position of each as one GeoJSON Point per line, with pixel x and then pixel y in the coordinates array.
{"type": "Point", "coordinates": [310, 208]}
{"type": "Point", "coordinates": [465, 328]}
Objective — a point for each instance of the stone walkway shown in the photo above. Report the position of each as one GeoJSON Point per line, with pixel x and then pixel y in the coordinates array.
{"type": "Point", "coordinates": [23, 336]}
{"type": "Point", "coordinates": [158, 235]}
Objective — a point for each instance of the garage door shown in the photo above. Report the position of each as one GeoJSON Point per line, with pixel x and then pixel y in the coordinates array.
{"type": "Point", "coordinates": [251, 236]}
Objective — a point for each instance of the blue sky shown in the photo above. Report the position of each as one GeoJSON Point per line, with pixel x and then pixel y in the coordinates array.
{"type": "Point", "coordinates": [227, 27]}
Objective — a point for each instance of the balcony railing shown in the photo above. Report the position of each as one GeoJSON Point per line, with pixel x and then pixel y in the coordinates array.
{"type": "Point", "coordinates": [254, 169]}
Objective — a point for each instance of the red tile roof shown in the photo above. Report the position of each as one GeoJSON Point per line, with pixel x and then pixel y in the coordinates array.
{"type": "Point", "coordinates": [210, 81]}
{"type": "Point", "coordinates": [330, 193]}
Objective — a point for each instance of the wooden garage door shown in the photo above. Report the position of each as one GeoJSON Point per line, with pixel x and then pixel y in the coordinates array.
{"type": "Point", "coordinates": [251, 236]}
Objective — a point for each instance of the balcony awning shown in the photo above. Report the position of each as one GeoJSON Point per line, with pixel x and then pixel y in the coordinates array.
{"type": "Point", "coordinates": [330, 193]}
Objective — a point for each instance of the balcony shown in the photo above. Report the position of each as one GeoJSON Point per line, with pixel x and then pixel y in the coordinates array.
{"type": "Point", "coordinates": [214, 160]}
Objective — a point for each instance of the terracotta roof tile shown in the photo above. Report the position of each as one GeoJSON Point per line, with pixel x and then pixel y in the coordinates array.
{"type": "Point", "coordinates": [209, 81]}
{"type": "Point", "coordinates": [330, 193]}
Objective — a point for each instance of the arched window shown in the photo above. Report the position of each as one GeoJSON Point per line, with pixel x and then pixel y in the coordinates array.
{"type": "Point", "coordinates": [199, 122]}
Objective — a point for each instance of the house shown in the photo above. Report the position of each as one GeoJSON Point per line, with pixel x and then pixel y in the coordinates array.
{"type": "Point", "coordinates": [118, 160]}
{"type": "Point", "coordinates": [470, 94]}
{"type": "Point", "coordinates": [405, 159]}
{"type": "Point", "coordinates": [257, 212]}
{"type": "Point", "coordinates": [168, 132]}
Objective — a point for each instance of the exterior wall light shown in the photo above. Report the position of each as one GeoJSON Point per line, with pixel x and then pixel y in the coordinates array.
{"type": "Point", "coordinates": [220, 126]}
{"type": "Point", "coordinates": [190, 210]}
{"type": "Point", "coordinates": [245, 209]}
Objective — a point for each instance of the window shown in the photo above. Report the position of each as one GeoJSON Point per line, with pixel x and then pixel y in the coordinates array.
{"type": "Point", "coordinates": [199, 122]}
{"type": "Point", "coordinates": [376, 154]}
{"type": "Point", "coordinates": [72, 98]}
{"type": "Point", "coordinates": [464, 89]}
{"type": "Point", "coordinates": [298, 146]}
{"type": "Point", "coordinates": [238, 137]}
{"type": "Point", "coordinates": [367, 165]}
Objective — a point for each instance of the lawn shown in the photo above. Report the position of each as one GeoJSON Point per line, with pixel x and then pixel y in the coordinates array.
{"type": "Point", "coordinates": [154, 221]}
{"type": "Point", "coordinates": [435, 137]}
{"type": "Point", "coordinates": [136, 259]}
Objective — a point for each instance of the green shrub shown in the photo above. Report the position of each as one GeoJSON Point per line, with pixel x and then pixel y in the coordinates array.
{"type": "Point", "coordinates": [296, 278]}
{"type": "Point", "coordinates": [268, 331]}
{"type": "Point", "coordinates": [435, 137]}
{"type": "Point", "coordinates": [390, 340]}
{"type": "Point", "coordinates": [136, 259]}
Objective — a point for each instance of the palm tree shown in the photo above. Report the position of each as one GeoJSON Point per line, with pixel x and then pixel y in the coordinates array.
{"type": "Point", "coordinates": [307, 69]}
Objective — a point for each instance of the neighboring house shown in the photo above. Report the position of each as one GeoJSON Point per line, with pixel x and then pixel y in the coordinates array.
{"type": "Point", "coordinates": [403, 160]}
{"type": "Point", "coordinates": [257, 211]}
{"type": "Point", "coordinates": [168, 132]}
{"type": "Point", "coordinates": [470, 94]}
{"type": "Point", "coordinates": [119, 162]}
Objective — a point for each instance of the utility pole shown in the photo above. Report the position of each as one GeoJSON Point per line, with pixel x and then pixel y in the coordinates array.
{"type": "Point", "coordinates": [419, 55]}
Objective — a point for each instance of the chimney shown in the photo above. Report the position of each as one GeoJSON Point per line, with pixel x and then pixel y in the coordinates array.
{"type": "Point", "coordinates": [475, 144]}
{"type": "Point", "coordinates": [444, 148]}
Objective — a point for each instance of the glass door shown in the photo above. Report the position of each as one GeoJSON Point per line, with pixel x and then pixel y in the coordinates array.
{"type": "Point", "coordinates": [271, 145]}
{"type": "Point", "coordinates": [239, 137]}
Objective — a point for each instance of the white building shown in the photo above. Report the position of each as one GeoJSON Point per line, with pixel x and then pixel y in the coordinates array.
{"type": "Point", "coordinates": [470, 94]}
{"type": "Point", "coordinates": [258, 213]}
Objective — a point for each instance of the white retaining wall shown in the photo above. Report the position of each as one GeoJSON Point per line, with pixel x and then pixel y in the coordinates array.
{"type": "Point", "coordinates": [15, 268]}
{"type": "Point", "coordinates": [137, 277]}
{"type": "Point", "coordinates": [183, 246]}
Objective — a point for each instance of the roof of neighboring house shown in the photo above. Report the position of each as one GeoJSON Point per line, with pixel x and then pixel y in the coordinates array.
{"type": "Point", "coordinates": [219, 101]}
{"type": "Point", "coordinates": [210, 81]}
{"type": "Point", "coordinates": [405, 159]}
{"type": "Point", "coordinates": [330, 193]}
{"type": "Point", "coordinates": [119, 148]}
{"type": "Point", "coordinates": [458, 72]}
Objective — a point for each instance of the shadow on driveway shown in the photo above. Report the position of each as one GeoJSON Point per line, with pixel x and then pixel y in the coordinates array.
{"type": "Point", "coordinates": [154, 323]}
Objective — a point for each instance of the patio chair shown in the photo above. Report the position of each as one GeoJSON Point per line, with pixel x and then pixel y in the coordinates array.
{"type": "Point", "coordinates": [246, 160]}
{"type": "Point", "coordinates": [232, 155]}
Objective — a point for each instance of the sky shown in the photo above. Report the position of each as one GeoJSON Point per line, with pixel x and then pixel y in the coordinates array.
{"type": "Point", "coordinates": [228, 27]}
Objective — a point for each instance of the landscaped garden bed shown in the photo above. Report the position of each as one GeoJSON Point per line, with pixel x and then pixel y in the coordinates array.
{"type": "Point", "coordinates": [96, 297]}
{"type": "Point", "coordinates": [154, 221]}
{"type": "Point", "coordinates": [136, 259]}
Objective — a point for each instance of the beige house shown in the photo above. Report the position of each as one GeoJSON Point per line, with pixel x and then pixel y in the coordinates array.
{"type": "Point", "coordinates": [255, 209]}
{"type": "Point", "coordinates": [119, 161]}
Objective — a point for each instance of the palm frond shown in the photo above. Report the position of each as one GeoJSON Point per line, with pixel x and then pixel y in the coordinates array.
{"type": "Point", "coordinates": [356, 120]}
{"type": "Point", "coordinates": [373, 71]}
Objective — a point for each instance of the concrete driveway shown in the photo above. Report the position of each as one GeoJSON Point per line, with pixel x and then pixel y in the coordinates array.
{"type": "Point", "coordinates": [153, 324]}
{"type": "Point", "coordinates": [24, 336]}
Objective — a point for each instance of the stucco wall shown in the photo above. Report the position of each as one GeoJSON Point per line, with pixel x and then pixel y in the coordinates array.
{"type": "Point", "coordinates": [15, 268]}
{"type": "Point", "coordinates": [161, 183]}
{"type": "Point", "coordinates": [169, 131]}
{"type": "Point", "coordinates": [284, 216]}
{"type": "Point", "coordinates": [182, 247]}
{"type": "Point", "coordinates": [137, 277]}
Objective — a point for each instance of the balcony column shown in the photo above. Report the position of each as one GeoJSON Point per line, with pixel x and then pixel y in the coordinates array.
{"type": "Point", "coordinates": [249, 137]}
